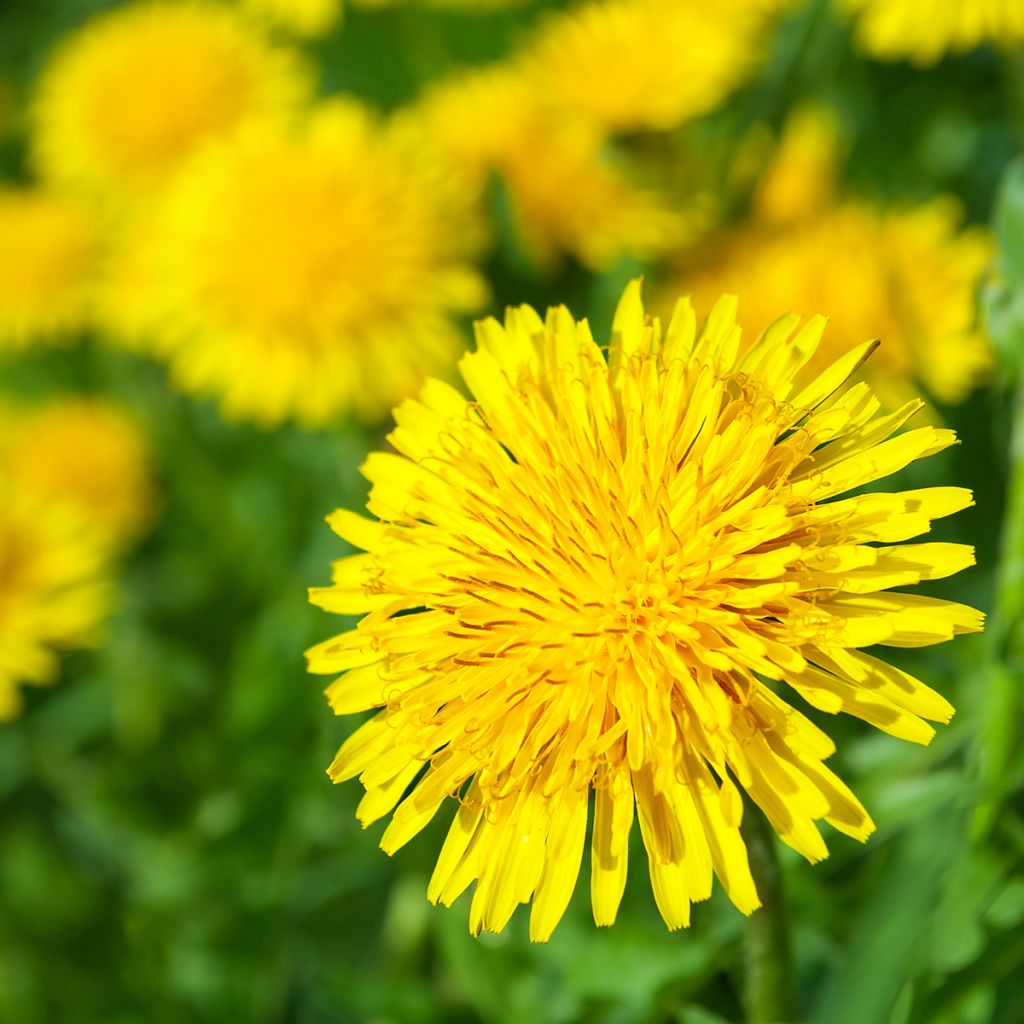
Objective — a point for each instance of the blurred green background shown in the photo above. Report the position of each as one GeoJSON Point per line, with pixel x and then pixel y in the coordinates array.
{"type": "Point", "coordinates": [170, 847]}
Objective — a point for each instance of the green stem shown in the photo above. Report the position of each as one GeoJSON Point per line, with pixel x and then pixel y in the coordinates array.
{"type": "Point", "coordinates": [768, 952]}
{"type": "Point", "coordinates": [1000, 729]}
{"type": "Point", "coordinates": [1013, 81]}
{"type": "Point", "coordinates": [1008, 603]}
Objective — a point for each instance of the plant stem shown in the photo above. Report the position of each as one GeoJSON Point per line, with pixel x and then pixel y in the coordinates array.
{"type": "Point", "coordinates": [768, 951]}
{"type": "Point", "coordinates": [1008, 605]}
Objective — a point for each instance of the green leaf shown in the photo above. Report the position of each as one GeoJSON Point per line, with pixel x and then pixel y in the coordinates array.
{"type": "Point", "coordinates": [1009, 222]}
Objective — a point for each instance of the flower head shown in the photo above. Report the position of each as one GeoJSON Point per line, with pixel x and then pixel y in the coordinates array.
{"type": "Point", "coordinates": [606, 574]}
{"type": "Point", "coordinates": [138, 89]}
{"type": "Point", "coordinates": [908, 276]}
{"type": "Point", "coordinates": [85, 455]}
{"type": "Point", "coordinates": [923, 31]}
{"type": "Point", "coordinates": [48, 246]}
{"type": "Point", "coordinates": [633, 64]}
{"type": "Point", "coordinates": [53, 591]}
{"type": "Point", "coordinates": [569, 191]}
{"type": "Point", "coordinates": [304, 271]}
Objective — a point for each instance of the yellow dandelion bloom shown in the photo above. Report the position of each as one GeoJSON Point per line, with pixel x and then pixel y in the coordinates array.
{"type": "Point", "coordinates": [490, 121]}
{"type": "Point", "coordinates": [907, 277]}
{"type": "Point", "coordinates": [48, 246]}
{"type": "Point", "coordinates": [302, 17]}
{"type": "Point", "coordinates": [88, 455]}
{"type": "Point", "coordinates": [53, 593]}
{"type": "Point", "coordinates": [633, 64]}
{"type": "Point", "coordinates": [124, 100]}
{"type": "Point", "coordinates": [605, 575]}
{"type": "Point", "coordinates": [306, 271]}
{"type": "Point", "coordinates": [923, 31]}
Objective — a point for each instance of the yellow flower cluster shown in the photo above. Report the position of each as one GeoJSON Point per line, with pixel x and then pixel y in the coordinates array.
{"type": "Point", "coordinates": [492, 122]}
{"type": "Point", "coordinates": [294, 259]}
{"type": "Point", "coordinates": [545, 120]}
{"type": "Point", "coordinates": [291, 259]}
{"type": "Point", "coordinates": [907, 275]}
{"type": "Point", "coordinates": [601, 575]}
{"type": "Point", "coordinates": [77, 492]}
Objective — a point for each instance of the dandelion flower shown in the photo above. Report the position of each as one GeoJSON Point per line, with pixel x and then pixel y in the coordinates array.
{"type": "Point", "coordinates": [303, 17]}
{"type": "Point", "coordinates": [490, 121]}
{"type": "Point", "coordinates": [124, 100]}
{"type": "Point", "coordinates": [635, 64]}
{"type": "Point", "coordinates": [87, 455]}
{"type": "Point", "coordinates": [923, 31]}
{"type": "Point", "coordinates": [908, 276]}
{"type": "Point", "coordinates": [53, 591]}
{"type": "Point", "coordinates": [611, 576]}
{"type": "Point", "coordinates": [306, 271]}
{"type": "Point", "coordinates": [48, 246]}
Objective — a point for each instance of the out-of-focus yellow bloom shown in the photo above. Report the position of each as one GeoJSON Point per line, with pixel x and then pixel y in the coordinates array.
{"type": "Point", "coordinates": [923, 31]}
{"type": "Point", "coordinates": [76, 490]}
{"type": "Point", "coordinates": [48, 248]}
{"type": "Point", "coordinates": [124, 100]}
{"type": "Point", "coordinates": [302, 17]}
{"type": "Point", "coordinates": [601, 575]}
{"type": "Point", "coordinates": [907, 277]}
{"type": "Point", "coordinates": [632, 64]}
{"type": "Point", "coordinates": [88, 455]}
{"type": "Point", "coordinates": [567, 188]}
{"type": "Point", "coordinates": [53, 590]}
{"type": "Point", "coordinates": [801, 177]}
{"type": "Point", "coordinates": [311, 270]}
{"type": "Point", "coordinates": [53, 595]}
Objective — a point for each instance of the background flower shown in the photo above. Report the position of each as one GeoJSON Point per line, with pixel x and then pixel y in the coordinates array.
{"type": "Point", "coordinates": [86, 455]}
{"type": "Point", "coordinates": [53, 592]}
{"type": "Point", "coordinates": [312, 269]}
{"type": "Point", "coordinates": [102, 119]}
{"type": "Point", "coordinates": [48, 248]}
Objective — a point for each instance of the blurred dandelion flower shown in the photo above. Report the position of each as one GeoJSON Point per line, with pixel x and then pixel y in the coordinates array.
{"type": "Point", "coordinates": [124, 100]}
{"type": "Point", "coordinates": [909, 276]}
{"type": "Point", "coordinates": [491, 121]}
{"type": "Point", "coordinates": [635, 64]}
{"type": "Point", "coordinates": [307, 270]}
{"type": "Point", "coordinates": [923, 31]}
{"type": "Point", "coordinates": [601, 575]}
{"type": "Point", "coordinates": [47, 250]}
{"type": "Point", "coordinates": [53, 592]}
{"type": "Point", "coordinates": [302, 17]}
{"type": "Point", "coordinates": [87, 455]}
